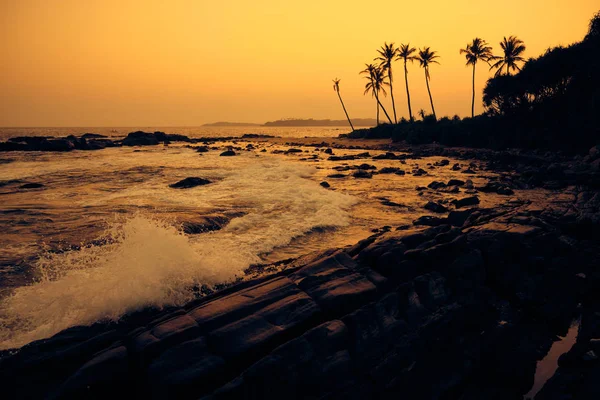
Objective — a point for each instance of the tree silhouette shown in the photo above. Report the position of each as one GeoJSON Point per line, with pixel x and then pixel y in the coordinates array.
{"type": "Point", "coordinates": [376, 83]}
{"type": "Point", "coordinates": [427, 57]}
{"type": "Point", "coordinates": [512, 48]}
{"type": "Point", "coordinates": [594, 27]}
{"type": "Point", "coordinates": [387, 54]}
{"type": "Point", "coordinates": [405, 53]}
{"type": "Point", "coordinates": [475, 51]}
{"type": "Point", "coordinates": [336, 87]}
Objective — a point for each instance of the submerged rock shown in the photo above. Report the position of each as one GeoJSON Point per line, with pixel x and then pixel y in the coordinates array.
{"type": "Point", "coordinates": [31, 186]}
{"type": "Point", "coordinates": [190, 183]}
{"type": "Point", "coordinates": [205, 223]}
{"type": "Point", "coordinates": [228, 153]}
{"type": "Point", "coordinates": [325, 184]}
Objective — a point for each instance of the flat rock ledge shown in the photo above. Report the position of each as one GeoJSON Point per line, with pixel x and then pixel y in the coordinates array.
{"type": "Point", "coordinates": [463, 310]}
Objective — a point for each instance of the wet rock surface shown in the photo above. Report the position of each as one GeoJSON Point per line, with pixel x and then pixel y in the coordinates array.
{"type": "Point", "coordinates": [190, 183]}
{"type": "Point", "coordinates": [462, 308]}
{"type": "Point", "coordinates": [459, 305]}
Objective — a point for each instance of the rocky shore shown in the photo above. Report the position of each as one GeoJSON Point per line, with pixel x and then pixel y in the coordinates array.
{"type": "Point", "coordinates": [463, 304]}
{"type": "Point", "coordinates": [93, 141]}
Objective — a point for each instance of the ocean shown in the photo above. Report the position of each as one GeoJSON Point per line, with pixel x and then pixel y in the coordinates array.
{"type": "Point", "coordinates": [104, 235]}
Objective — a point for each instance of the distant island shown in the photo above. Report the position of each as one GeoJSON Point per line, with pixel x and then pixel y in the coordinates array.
{"type": "Point", "coordinates": [224, 123]}
{"type": "Point", "coordinates": [302, 122]}
{"type": "Point", "coordinates": [321, 122]}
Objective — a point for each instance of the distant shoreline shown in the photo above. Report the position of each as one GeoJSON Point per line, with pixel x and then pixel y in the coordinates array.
{"type": "Point", "coordinates": [292, 122]}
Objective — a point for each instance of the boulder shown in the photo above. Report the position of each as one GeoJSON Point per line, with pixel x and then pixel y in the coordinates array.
{"type": "Point", "coordinates": [391, 170]}
{"type": "Point", "coordinates": [31, 186]}
{"type": "Point", "coordinates": [228, 153]}
{"type": "Point", "coordinates": [436, 185]}
{"type": "Point", "coordinates": [190, 183]}
{"type": "Point", "coordinates": [435, 207]}
{"type": "Point", "coordinates": [57, 145]}
{"type": "Point", "coordinates": [362, 174]}
{"type": "Point", "coordinates": [365, 166]}
{"type": "Point", "coordinates": [140, 138]}
{"type": "Point", "coordinates": [466, 201]}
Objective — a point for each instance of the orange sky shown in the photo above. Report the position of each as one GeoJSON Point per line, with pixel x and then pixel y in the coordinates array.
{"type": "Point", "coordinates": [188, 62]}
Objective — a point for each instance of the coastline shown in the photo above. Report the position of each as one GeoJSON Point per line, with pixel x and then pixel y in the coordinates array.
{"type": "Point", "coordinates": [391, 313]}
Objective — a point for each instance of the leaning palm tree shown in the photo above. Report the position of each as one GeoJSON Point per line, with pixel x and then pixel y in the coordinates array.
{"type": "Point", "coordinates": [336, 87]}
{"type": "Point", "coordinates": [405, 53]}
{"type": "Point", "coordinates": [387, 54]}
{"type": "Point", "coordinates": [512, 48]}
{"type": "Point", "coordinates": [475, 51]}
{"type": "Point", "coordinates": [427, 57]}
{"type": "Point", "coordinates": [376, 84]}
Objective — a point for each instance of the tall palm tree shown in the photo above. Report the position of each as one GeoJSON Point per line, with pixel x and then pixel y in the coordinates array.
{"type": "Point", "coordinates": [336, 87]}
{"type": "Point", "coordinates": [427, 57]}
{"type": "Point", "coordinates": [376, 84]}
{"type": "Point", "coordinates": [512, 48]}
{"type": "Point", "coordinates": [475, 51]}
{"type": "Point", "coordinates": [405, 52]}
{"type": "Point", "coordinates": [387, 54]}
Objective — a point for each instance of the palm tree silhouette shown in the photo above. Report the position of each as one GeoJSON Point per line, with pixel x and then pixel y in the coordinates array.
{"type": "Point", "coordinates": [513, 48]}
{"type": "Point", "coordinates": [426, 57]}
{"type": "Point", "coordinates": [475, 51]}
{"type": "Point", "coordinates": [405, 53]}
{"type": "Point", "coordinates": [387, 54]}
{"type": "Point", "coordinates": [376, 83]}
{"type": "Point", "coordinates": [336, 87]}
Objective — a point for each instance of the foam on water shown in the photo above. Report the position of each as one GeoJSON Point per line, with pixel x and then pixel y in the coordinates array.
{"type": "Point", "coordinates": [148, 262]}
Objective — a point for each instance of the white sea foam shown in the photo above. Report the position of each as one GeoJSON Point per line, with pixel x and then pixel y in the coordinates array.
{"type": "Point", "coordinates": [151, 263]}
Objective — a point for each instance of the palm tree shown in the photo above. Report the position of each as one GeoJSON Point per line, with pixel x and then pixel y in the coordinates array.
{"type": "Point", "coordinates": [336, 87]}
{"type": "Point", "coordinates": [387, 54]}
{"type": "Point", "coordinates": [426, 57]}
{"type": "Point", "coordinates": [513, 48]}
{"type": "Point", "coordinates": [477, 50]}
{"type": "Point", "coordinates": [376, 83]}
{"type": "Point", "coordinates": [405, 53]}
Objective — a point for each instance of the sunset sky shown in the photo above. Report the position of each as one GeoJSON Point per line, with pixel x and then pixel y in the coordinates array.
{"type": "Point", "coordinates": [188, 62]}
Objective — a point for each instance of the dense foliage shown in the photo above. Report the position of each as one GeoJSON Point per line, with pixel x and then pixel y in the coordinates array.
{"type": "Point", "coordinates": [553, 102]}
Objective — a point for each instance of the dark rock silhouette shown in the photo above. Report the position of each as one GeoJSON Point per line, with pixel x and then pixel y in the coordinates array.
{"type": "Point", "coordinates": [466, 201]}
{"type": "Point", "coordinates": [419, 312]}
{"type": "Point", "coordinates": [31, 186]}
{"type": "Point", "coordinates": [190, 183]}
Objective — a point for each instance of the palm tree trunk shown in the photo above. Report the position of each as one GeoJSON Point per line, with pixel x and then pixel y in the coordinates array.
{"type": "Point", "coordinates": [429, 91]}
{"type": "Point", "coordinates": [377, 104]}
{"type": "Point", "coordinates": [383, 108]}
{"type": "Point", "coordinates": [407, 92]}
{"type": "Point", "coordinates": [345, 112]}
{"type": "Point", "coordinates": [473, 98]}
{"type": "Point", "coordinates": [392, 93]}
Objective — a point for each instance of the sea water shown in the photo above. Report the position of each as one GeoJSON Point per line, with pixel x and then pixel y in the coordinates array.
{"type": "Point", "coordinates": [103, 236]}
